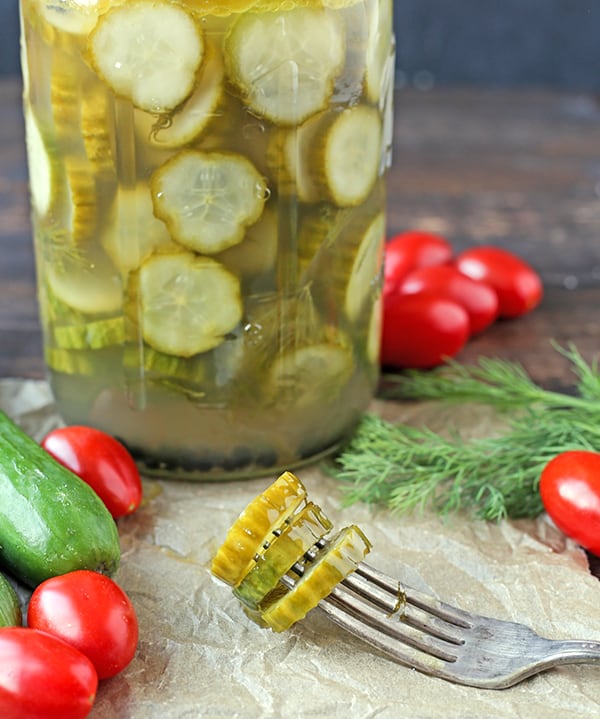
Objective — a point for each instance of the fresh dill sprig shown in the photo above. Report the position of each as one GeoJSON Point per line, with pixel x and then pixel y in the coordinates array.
{"type": "Point", "coordinates": [405, 467]}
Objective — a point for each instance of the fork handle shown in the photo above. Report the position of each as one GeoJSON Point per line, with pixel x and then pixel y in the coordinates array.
{"type": "Point", "coordinates": [573, 651]}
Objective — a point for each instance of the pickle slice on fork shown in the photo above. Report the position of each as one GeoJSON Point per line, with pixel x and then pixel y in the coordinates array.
{"type": "Point", "coordinates": [335, 562]}
{"type": "Point", "coordinates": [255, 526]}
{"type": "Point", "coordinates": [287, 547]}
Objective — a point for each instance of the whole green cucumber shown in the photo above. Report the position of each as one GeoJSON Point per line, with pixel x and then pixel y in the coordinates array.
{"type": "Point", "coordinates": [51, 521]}
{"type": "Point", "coordinates": [10, 609]}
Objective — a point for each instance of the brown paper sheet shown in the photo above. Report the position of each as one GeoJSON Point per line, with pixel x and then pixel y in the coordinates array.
{"type": "Point", "coordinates": [200, 656]}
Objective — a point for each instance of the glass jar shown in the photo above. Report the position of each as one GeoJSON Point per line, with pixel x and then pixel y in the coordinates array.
{"type": "Point", "coordinates": [208, 204]}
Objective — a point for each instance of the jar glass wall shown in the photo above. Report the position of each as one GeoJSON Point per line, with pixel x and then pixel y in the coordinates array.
{"type": "Point", "coordinates": [208, 203]}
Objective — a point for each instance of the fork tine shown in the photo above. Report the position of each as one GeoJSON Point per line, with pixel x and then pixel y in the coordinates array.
{"type": "Point", "coordinates": [403, 643]}
{"type": "Point", "coordinates": [431, 605]}
{"type": "Point", "coordinates": [387, 629]}
{"type": "Point", "coordinates": [396, 604]}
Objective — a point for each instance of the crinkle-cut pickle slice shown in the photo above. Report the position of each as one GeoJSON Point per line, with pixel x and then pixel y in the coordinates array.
{"type": "Point", "coordinates": [378, 56]}
{"type": "Point", "coordinates": [284, 63]}
{"type": "Point", "coordinates": [255, 525]}
{"type": "Point", "coordinates": [85, 280]}
{"type": "Point", "coordinates": [94, 334]}
{"type": "Point", "coordinates": [310, 375]}
{"type": "Point", "coordinates": [365, 266]}
{"type": "Point", "coordinates": [188, 303]}
{"type": "Point", "coordinates": [304, 529]}
{"type": "Point", "coordinates": [148, 51]}
{"type": "Point", "coordinates": [131, 232]}
{"type": "Point", "coordinates": [334, 156]}
{"type": "Point", "coordinates": [44, 167]}
{"type": "Point", "coordinates": [95, 132]}
{"type": "Point", "coordinates": [75, 17]}
{"type": "Point", "coordinates": [207, 199]}
{"type": "Point", "coordinates": [333, 564]}
{"type": "Point", "coordinates": [178, 128]}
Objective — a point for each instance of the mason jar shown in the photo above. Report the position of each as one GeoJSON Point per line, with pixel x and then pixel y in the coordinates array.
{"type": "Point", "coordinates": [208, 205]}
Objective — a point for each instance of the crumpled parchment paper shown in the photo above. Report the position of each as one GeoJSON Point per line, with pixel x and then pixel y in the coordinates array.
{"type": "Point", "coordinates": [200, 656]}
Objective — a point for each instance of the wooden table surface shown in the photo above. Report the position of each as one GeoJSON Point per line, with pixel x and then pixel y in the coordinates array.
{"type": "Point", "coordinates": [516, 169]}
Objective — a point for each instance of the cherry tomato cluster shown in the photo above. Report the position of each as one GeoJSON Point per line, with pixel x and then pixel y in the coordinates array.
{"type": "Point", "coordinates": [81, 626]}
{"type": "Point", "coordinates": [434, 300]}
{"type": "Point", "coordinates": [570, 493]}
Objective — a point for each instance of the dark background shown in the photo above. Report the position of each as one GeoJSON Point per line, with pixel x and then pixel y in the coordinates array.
{"type": "Point", "coordinates": [499, 43]}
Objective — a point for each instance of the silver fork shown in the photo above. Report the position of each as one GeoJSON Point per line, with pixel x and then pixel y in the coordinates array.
{"type": "Point", "coordinates": [441, 640]}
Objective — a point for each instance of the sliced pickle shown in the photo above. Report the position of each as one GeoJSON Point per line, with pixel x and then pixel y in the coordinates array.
{"type": "Point", "coordinates": [255, 526]}
{"type": "Point", "coordinates": [95, 122]}
{"type": "Point", "coordinates": [257, 252]}
{"type": "Point", "coordinates": [334, 156]}
{"type": "Point", "coordinates": [373, 345]}
{"type": "Point", "coordinates": [162, 367]}
{"type": "Point", "coordinates": [366, 266]}
{"type": "Point", "coordinates": [208, 199]}
{"type": "Point", "coordinates": [84, 279]}
{"type": "Point", "coordinates": [188, 303]}
{"type": "Point", "coordinates": [94, 334]}
{"type": "Point", "coordinates": [378, 58]}
{"type": "Point", "coordinates": [333, 564]}
{"type": "Point", "coordinates": [131, 232]}
{"type": "Point", "coordinates": [302, 531]}
{"type": "Point", "coordinates": [45, 169]}
{"type": "Point", "coordinates": [184, 125]}
{"type": "Point", "coordinates": [284, 64]}
{"type": "Point", "coordinates": [309, 375]}
{"type": "Point", "coordinates": [75, 17]}
{"type": "Point", "coordinates": [350, 246]}
{"type": "Point", "coordinates": [70, 361]}
{"type": "Point", "coordinates": [148, 51]}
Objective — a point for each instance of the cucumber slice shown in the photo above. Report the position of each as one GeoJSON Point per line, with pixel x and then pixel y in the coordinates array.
{"type": "Point", "coordinates": [303, 530]}
{"type": "Point", "coordinates": [284, 64]}
{"type": "Point", "coordinates": [257, 252]}
{"type": "Point", "coordinates": [148, 51]}
{"type": "Point", "coordinates": [346, 247]}
{"type": "Point", "coordinates": [96, 119]}
{"type": "Point", "coordinates": [188, 303]}
{"type": "Point", "coordinates": [208, 199]}
{"type": "Point", "coordinates": [76, 17]}
{"type": "Point", "coordinates": [90, 335]}
{"type": "Point", "coordinates": [378, 50]}
{"type": "Point", "coordinates": [72, 362]}
{"type": "Point", "coordinates": [131, 232]}
{"type": "Point", "coordinates": [178, 128]}
{"type": "Point", "coordinates": [339, 559]}
{"type": "Point", "coordinates": [85, 279]}
{"type": "Point", "coordinates": [44, 167]}
{"type": "Point", "coordinates": [367, 260]}
{"type": "Point", "coordinates": [255, 526]}
{"type": "Point", "coordinates": [309, 375]}
{"type": "Point", "coordinates": [333, 156]}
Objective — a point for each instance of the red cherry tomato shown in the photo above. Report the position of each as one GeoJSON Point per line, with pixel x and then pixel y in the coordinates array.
{"type": "Point", "coordinates": [478, 298]}
{"type": "Point", "coordinates": [570, 492]}
{"type": "Point", "coordinates": [421, 331]}
{"type": "Point", "coordinates": [102, 462]}
{"type": "Point", "coordinates": [409, 251]}
{"type": "Point", "coordinates": [518, 285]}
{"type": "Point", "coordinates": [42, 677]}
{"type": "Point", "coordinates": [90, 612]}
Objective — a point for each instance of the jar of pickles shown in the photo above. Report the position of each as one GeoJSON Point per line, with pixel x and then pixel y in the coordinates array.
{"type": "Point", "coordinates": [208, 205]}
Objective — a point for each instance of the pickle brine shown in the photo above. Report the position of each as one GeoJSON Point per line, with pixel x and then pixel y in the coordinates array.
{"type": "Point", "coordinates": [208, 203]}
